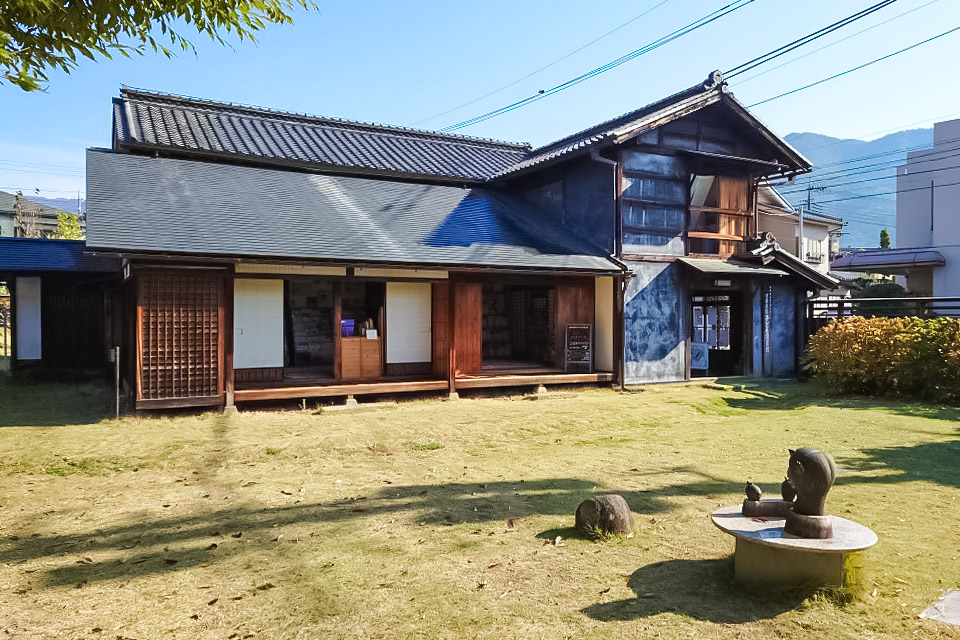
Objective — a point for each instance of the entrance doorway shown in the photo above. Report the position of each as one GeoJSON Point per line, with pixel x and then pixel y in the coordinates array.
{"type": "Point", "coordinates": [716, 335]}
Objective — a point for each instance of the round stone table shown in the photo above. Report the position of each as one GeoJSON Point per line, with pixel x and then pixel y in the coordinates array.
{"type": "Point", "coordinates": [765, 554]}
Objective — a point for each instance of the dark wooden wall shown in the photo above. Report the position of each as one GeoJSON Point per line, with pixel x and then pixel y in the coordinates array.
{"type": "Point", "coordinates": [575, 305]}
{"type": "Point", "coordinates": [440, 327]}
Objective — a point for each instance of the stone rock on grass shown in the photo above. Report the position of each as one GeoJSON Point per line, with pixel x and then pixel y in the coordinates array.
{"type": "Point", "coordinates": [607, 514]}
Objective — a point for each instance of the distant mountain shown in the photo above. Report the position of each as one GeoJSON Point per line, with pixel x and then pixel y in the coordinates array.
{"type": "Point", "coordinates": [70, 205]}
{"type": "Point", "coordinates": [849, 168]}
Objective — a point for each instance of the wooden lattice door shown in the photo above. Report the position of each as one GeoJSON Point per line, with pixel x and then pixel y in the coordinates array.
{"type": "Point", "coordinates": [179, 338]}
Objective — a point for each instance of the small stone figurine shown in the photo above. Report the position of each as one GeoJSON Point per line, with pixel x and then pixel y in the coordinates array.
{"type": "Point", "coordinates": [787, 492]}
{"type": "Point", "coordinates": [753, 492]}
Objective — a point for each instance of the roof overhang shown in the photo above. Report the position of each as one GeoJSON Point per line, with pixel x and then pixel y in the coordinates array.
{"type": "Point", "coordinates": [769, 251]}
{"type": "Point", "coordinates": [713, 267]}
{"type": "Point", "coordinates": [894, 261]}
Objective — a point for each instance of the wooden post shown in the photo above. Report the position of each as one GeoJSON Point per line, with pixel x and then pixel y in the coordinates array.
{"type": "Point", "coordinates": [618, 331]}
{"type": "Point", "coordinates": [12, 288]}
{"type": "Point", "coordinates": [452, 319]}
{"type": "Point", "coordinates": [228, 339]}
{"type": "Point", "coordinates": [337, 316]}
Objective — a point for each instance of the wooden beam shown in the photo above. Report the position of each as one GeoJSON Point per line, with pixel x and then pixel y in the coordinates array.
{"type": "Point", "coordinates": [359, 389]}
{"type": "Point", "coordinates": [452, 335]}
{"type": "Point", "coordinates": [619, 327]}
{"type": "Point", "coordinates": [530, 380]}
{"type": "Point", "coordinates": [180, 403]}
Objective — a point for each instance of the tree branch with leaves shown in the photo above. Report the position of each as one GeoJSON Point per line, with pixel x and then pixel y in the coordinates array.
{"type": "Point", "coordinates": [40, 36]}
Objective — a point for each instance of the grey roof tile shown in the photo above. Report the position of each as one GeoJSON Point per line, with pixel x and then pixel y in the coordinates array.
{"type": "Point", "coordinates": [154, 120]}
{"type": "Point", "coordinates": [137, 203]}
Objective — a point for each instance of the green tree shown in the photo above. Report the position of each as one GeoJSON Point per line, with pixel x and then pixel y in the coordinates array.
{"type": "Point", "coordinates": [884, 239]}
{"type": "Point", "coordinates": [37, 36]}
{"type": "Point", "coordinates": [68, 227]}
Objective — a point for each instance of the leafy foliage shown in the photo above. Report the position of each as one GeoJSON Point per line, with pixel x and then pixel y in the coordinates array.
{"type": "Point", "coordinates": [900, 357]}
{"type": "Point", "coordinates": [68, 226]}
{"type": "Point", "coordinates": [884, 239]}
{"type": "Point", "coordinates": [37, 36]}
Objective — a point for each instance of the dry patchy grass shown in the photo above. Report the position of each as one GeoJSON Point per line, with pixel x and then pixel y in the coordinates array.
{"type": "Point", "coordinates": [437, 519]}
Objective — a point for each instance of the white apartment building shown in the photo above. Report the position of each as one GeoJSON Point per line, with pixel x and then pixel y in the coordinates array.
{"type": "Point", "coordinates": [928, 220]}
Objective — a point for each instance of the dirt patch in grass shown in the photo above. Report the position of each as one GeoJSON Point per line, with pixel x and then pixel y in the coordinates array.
{"type": "Point", "coordinates": [454, 519]}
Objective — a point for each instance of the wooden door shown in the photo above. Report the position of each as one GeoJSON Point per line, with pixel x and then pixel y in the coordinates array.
{"type": "Point", "coordinates": [468, 310]}
{"type": "Point", "coordinates": [179, 342]}
{"type": "Point", "coordinates": [575, 305]}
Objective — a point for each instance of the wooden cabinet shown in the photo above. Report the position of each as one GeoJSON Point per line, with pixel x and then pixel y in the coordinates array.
{"type": "Point", "coordinates": [360, 359]}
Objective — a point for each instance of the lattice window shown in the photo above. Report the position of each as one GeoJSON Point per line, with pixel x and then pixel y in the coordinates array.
{"type": "Point", "coordinates": [179, 326]}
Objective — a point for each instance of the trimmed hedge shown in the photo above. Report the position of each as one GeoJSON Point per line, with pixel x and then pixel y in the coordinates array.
{"type": "Point", "coordinates": [899, 357]}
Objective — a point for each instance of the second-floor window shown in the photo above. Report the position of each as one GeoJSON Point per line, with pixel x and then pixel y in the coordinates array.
{"type": "Point", "coordinates": [720, 217]}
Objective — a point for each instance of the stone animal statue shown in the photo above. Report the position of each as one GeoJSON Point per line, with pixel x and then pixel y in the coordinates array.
{"type": "Point", "coordinates": [787, 492]}
{"type": "Point", "coordinates": [753, 492]}
{"type": "Point", "coordinates": [811, 473]}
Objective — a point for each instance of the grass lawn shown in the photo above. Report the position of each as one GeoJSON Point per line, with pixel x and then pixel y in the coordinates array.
{"type": "Point", "coordinates": [453, 520]}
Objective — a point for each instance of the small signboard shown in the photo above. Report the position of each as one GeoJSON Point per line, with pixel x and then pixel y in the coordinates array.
{"type": "Point", "coordinates": [699, 356]}
{"type": "Point", "coordinates": [578, 348]}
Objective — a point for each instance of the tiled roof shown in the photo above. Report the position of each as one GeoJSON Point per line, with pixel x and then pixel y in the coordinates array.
{"type": "Point", "coordinates": [711, 91]}
{"type": "Point", "coordinates": [141, 204]}
{"type": "Point", "coordinates": [32, 254]}
{"type": "Point", "coordinates": [148, 120]}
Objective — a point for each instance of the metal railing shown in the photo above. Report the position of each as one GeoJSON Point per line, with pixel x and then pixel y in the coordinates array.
{"type": "Point", "coordinates": [822, 311]}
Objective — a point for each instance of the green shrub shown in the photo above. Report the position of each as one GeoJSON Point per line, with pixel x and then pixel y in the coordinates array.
{"type": "Point", "coordinates": [898, 357]}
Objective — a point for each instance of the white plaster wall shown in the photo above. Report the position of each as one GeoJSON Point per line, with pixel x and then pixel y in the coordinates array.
{"type": "Point", "coordinates": [603, 328]}
{"type": "Point", "coordinates": [408, 333]}
{"type": "Point", "coordinates": [927, 204]}
{"type": "Point", "coordinates": [27, 321]}
{"type": "Point", "coordinates": [258, 323]}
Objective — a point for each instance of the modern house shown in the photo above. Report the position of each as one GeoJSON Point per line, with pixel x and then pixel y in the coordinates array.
{"type": "Point", "coordinates": [812, 237]}
{"type": "Point", "coordinates": [928, 228]}
{"type": "Point", "coordinates": [42, 218]}
{"type": "Point", "coordinates": [271, 255]}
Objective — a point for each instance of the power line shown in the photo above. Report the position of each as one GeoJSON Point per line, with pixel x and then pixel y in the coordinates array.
{"type": "Point", "coordinates": [546, 66]}
{"type": "Point", "coordinates": [543, 93]}
{"type": "Point", "coordinates": [857, 68]}
{"type": "Point", "coordinates": [799, 42]}
{"type": "Point", "coordinates": [888, 193]}
{"type": "Point", "coordinates": [827, 46]}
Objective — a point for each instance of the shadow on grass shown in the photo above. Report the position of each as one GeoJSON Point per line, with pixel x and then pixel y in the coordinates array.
{"type": "Point", "coordinates": [700, 589]}
{"type": "Point", "coordinates": [789, 397]}
{"type": "Point", "coordinates": [159, 545]}
{"type": "Point", "coordinates": [930, 462]}
{"type": "Point", "coordinates": [53, 405]}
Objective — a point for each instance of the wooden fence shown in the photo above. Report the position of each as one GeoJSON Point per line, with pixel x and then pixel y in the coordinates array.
{"type": "Point", "coordinates": [821, 312]}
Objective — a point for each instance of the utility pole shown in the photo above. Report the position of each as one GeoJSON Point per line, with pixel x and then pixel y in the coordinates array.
{"type": "Point", "coordinates": [810, 189]}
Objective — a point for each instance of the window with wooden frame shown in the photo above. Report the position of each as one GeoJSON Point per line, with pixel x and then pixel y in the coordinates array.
{"type": "Point", "coordinates": [653, 203]}
{"type": "Point", "coordinates": [720, 218]}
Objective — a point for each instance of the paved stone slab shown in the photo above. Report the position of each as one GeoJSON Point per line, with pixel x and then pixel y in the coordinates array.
{"type": "Point", "coordinates": [947, 609]}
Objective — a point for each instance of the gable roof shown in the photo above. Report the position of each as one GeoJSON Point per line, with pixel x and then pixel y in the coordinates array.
{"type": "Point", "coordinates": [175, 206]}
{"type": "Point", "coordinates": [711, 91]}
{"type": "Point", "coordinates": [768, 251]}
{"type": "Point", "coordinates": [146, 120]}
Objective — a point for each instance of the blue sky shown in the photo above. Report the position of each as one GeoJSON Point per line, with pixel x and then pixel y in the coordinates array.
{"type": "Point", "coordinates": [401, 63]}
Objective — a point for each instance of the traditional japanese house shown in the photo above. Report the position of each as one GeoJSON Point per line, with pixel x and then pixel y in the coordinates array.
{"type": "Point", "coordinates": [270, 255]}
